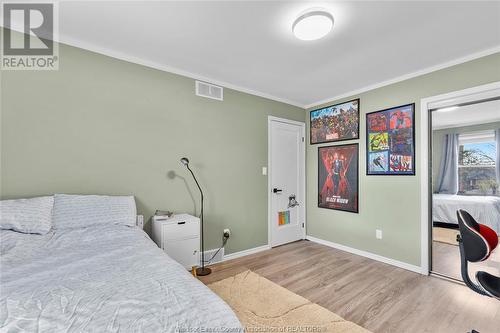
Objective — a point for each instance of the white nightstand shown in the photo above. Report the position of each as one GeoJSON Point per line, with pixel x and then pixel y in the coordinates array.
{"type": "Point", "coordinates": [179, 237]}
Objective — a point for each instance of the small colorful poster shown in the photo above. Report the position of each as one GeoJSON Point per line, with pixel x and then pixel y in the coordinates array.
{"type": "Point", "coordinates": [338, 177]}
{"type": "Point", "coordinates": [379, 161]}
{"type": "Point", "coordinates": [379, 141]}
{"type": "Point", "coordinates": [400, 163]}
{"type": "Point", "coordinates": [390, 141]}
{"type": "Point", "coordinates": [284, 217]}
{"type": "Point", "coordinates": [335, 123]}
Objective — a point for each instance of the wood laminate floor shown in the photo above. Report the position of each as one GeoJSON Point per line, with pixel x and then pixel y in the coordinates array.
{"type": "Point", "coordinates": [377, 296]}
{"type": "Point", "coordinates": [446, 260]}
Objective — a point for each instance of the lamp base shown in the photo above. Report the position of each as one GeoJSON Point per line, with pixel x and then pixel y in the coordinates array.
{"type": "Point", "coordinates": [203, 271]}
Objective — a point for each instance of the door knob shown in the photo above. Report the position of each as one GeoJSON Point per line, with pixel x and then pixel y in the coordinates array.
{"type": "Point", "coordinates": [276, 190]}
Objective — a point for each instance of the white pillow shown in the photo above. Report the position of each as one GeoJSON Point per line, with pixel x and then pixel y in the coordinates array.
{"type": "Point", "coordinates": [81, 211]}
{"type": "Point", "coordinates": [29, 216]}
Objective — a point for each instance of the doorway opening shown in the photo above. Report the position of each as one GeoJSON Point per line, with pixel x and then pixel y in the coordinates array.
{"type": "Point", "coordinates": [463, 172]}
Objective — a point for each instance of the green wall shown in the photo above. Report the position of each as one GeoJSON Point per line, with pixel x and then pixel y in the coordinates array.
{"type": "Point", "coordinates": [437, 142]}
{"type": "Point", "coordinates": [390, 203]}
{"type": "Point", "coordinates": [101, 125]}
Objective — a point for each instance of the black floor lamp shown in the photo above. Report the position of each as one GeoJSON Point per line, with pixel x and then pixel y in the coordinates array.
{"type": "Point", "coordinates": [201, 271]}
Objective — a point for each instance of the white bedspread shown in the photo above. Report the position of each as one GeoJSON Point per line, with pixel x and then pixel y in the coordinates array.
{"type": "Point", "coordinates": [485, 209]}
{"type": "Point", "coordinates": [101, 279]}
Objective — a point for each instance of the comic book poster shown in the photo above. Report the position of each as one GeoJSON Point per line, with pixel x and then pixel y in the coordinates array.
{"type": "Point", "coordinates": [390, 141]}
{"type": "Point", "coordinates": [335, 123]}
{"type": "Point", "coordinates": [338, 177]}
{"type": "Point", "coordinates": [378, 141]}
{"type": "Point", "coordinates": [379, 161]}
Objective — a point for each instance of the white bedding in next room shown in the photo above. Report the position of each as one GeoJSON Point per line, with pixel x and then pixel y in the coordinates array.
{"type": "Point", "coordinates": [485, 209]}
{"type": "Point", "coordinates": [107, 278]}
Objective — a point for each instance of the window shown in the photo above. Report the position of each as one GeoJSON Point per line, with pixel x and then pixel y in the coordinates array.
{"type": "Point", "coordinates": [476, 164]}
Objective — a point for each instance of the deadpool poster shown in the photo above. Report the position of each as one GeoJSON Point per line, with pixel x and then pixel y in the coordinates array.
{"type": "Point", "coordinates": [338, 177]}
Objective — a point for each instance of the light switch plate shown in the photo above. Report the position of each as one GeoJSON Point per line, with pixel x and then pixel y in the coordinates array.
{"type": "Point", "coordinates": [378, 234]}
{"type": "Point", "coordinates": [264, 171]}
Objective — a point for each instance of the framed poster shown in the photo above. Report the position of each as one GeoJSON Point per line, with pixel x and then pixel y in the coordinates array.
{"type": "Point", "coordinates": [335, 123]}
{"type": "Point", "coordinates": [390, 141]}
{"type": "Point", "coordinates": [338, 177]}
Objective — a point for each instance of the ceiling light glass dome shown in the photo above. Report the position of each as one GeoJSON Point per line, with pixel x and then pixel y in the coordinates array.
{"type": "Point", "coordinates": [312, 24]}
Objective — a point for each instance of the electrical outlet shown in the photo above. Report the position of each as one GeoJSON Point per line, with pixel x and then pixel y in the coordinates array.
{"type": "Point", "coordinates": [139, 222]}
{"type": "Point", "coordinates": [378, 234]}
{"type": "Point", "coordinates": [226, 233]}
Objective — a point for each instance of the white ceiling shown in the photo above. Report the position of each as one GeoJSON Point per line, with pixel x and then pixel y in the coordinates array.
{"type": "Point", "coordinates": [248, 45]}
{"type": "Point", "coordinates": [474, 114]}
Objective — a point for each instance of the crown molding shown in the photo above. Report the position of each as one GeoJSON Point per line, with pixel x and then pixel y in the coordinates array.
{"type": "Point", "coordinates": [424, 71]}
{"type": "Point", "coordinates": [174, 70]}
{"type": "Point", "coordinates": [63, 39]}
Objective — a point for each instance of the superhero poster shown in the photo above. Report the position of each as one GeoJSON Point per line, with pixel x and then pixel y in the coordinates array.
{"type": "Point", "coordinates": [335, 123]}
{"type": "Point", "coordinates": [338, 177]}
{"type": "Point", "coordinates": [390, 141]}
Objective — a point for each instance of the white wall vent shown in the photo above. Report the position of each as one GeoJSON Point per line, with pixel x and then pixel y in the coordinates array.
{"type": "Point", "coordinates": [209, 90]}
{"type": "Point", "coordinates": [216, 257]}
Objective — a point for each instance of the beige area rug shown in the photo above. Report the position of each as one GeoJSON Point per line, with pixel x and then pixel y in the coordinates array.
{"type": "Point", "coordinates": [263, 306]}
{"type": "Point", "coordinates": [445, 235]}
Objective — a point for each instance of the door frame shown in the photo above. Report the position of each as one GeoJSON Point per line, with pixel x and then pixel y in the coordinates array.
{"type": "Point", "coordinates": [302, 205]}
{"type": "Point", "coordinates": [427, 103]}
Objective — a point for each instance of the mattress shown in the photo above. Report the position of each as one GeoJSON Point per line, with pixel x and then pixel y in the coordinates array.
{"type": "Point", "coordinates": [101, 279]}
{"type": "Point", "coordinates": [485, 209]}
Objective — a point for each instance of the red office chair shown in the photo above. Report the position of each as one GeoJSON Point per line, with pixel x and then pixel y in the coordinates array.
{"type": "Point", "coordinates": [476, 242]}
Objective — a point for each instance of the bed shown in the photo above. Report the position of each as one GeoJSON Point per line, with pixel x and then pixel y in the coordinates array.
{"type": "Point", "coordinates": [103, 278]}
{"type": "Point", "coordinates": [485, 209]}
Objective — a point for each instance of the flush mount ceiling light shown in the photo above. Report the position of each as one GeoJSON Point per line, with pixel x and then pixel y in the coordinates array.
{"type": "Point", "coordinates": [312, 24]}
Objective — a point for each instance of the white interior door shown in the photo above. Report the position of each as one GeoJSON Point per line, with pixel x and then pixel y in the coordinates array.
{"type": "Point", "coordinates": [286, 181]}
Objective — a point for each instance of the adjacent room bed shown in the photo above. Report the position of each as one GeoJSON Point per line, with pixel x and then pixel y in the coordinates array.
{"type": "Point", "coordinates": [485, 209]}
{"type": "Point", "coordinates": [100, 277]}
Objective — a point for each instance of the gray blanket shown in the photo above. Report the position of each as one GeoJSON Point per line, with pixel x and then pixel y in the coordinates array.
{"type": "Point", "coordinates": [101, 279]}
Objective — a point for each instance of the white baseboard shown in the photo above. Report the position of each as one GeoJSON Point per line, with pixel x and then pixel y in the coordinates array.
{"type": "Point", "coordinates": [247, 252]}
{"type": "Point", "coordinates": [393, 262]}
{"type": "Point", "coordinates": [234, 255]}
